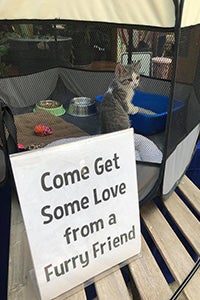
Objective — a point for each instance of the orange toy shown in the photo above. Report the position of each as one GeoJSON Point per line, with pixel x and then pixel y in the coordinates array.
{"type": "Point", "coordinates": [42, 130]}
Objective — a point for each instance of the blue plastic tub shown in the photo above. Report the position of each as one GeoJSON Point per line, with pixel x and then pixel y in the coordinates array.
{"type": "Point", "coordinates": [193, 171]}
{"type": "Point", "coordinates": [150, 124]}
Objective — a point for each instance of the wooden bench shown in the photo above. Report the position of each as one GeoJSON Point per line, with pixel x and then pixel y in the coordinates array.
{"type": "Point", "coordinates": [165, 221]}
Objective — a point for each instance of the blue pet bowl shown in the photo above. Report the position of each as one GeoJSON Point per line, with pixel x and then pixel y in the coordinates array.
{"type": "Point", "coordinates": [147, 124]}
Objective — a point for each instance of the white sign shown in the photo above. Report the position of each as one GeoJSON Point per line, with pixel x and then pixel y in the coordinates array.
{"type": "Point", "coordinates": [80, 207]}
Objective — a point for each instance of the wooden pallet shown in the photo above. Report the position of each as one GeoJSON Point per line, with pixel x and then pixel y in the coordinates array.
{"type": "Point", "coordinates": [162, 220]}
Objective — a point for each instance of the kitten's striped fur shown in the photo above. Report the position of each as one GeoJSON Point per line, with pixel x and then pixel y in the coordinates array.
{"type": "Point", "coordinates": [116, 103]}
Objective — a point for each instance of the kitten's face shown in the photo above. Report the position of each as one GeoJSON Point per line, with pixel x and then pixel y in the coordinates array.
{"type": "Point", "coordinates": [128, 75]}
{"type": "Point", "coordinates": [135, 80]}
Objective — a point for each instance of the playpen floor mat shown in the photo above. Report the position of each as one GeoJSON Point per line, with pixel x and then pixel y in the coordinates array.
{"type": "Point", "coordinates": [25, 124]}
{"type": "Point", "coordinates": [147, 174]}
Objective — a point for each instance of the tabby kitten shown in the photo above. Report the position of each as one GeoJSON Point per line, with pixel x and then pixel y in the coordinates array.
{"type": "Point", "coordinates": [116, 104]}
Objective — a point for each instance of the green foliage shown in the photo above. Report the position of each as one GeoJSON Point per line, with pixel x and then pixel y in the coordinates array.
{"type": "Point", "coordinates": [4, 69]}
{"type": "Point", "coordinates": [3, 50]}
{"type": "Point", "coordinates": [23, 30]}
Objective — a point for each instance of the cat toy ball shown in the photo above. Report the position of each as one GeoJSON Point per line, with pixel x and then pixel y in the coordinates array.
{"type": "Point", "coordinates": [42, 130]}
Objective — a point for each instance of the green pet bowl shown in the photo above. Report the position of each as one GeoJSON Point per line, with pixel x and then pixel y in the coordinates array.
{"type": "Point", "coordinates": [53, 107]}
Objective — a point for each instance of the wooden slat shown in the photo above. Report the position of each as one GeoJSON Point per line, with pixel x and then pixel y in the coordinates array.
{"type": "Point", "coordinates": [190, 192]}
{"type": "Point", "coordinates": [20, 262]}
{"type": "Point", "coordinates": [78, 296]}
{"type": "Point", "coordinates": [175, 255]}
{"type": "Point", "coordinates": [22, 284]}
{"type": "Point", "coordinates": [75, 295]}
{"type": "Point", "coordinates": [145, 272]}
{"type": "Point", "coordinates": [112, 287]}
{"type": "Point", "coordinates": [186, 221]}
{"type": "Point", "coordinates": [193, 281]}
{"type": "Point", "coordinates": [23, 293]}
{"type": "Point", "coordinates": [148, 277]}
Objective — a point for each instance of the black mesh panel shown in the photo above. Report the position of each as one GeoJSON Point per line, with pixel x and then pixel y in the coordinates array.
{"type": "Point", "coordinates": [61, 61]}
{"type": "Point", "coordinates": [186, 88]}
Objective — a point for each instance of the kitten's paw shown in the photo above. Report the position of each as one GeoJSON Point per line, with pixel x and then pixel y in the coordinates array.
{"type": "Point", "coordinates": [132, 110]}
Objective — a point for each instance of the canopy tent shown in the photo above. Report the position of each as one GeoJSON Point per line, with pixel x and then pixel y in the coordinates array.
{"type": "Point", "coordinates": [148, 13]}
{"type": "Point", "coordinates": [179, 20]}
{"type": "Point", "coordinates": [118, 31]}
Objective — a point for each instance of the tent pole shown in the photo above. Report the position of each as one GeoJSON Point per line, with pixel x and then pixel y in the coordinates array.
{"type": "Point", "coordinates": [130, 45]}
{"type": "Point", "coordinates": [177, 31]}
{"type": "Point", "coordinates": [5, 213]}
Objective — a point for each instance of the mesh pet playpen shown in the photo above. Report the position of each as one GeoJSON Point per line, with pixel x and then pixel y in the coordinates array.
{"type": "Point", "coordinates": [58, 52]}
{"type": "Point", "coordinates": [61, 50]}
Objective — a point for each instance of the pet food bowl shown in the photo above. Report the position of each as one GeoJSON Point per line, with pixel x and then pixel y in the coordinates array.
{"type": "Point", "coordinates": [82, 107]}
{"type": "Point", "coordinates": [53, 107]}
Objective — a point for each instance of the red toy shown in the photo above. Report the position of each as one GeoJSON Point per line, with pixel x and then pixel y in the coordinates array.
{"type": "Point", "coordinates": [42, 130]}
{"type": "Point", "coordinates": [20, 146]}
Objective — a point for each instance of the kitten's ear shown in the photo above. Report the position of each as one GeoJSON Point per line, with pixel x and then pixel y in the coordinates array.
{"type": "Point", "coordinates": [137, 65]}
{"type": "Point", "coordinates": [119, 69]}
